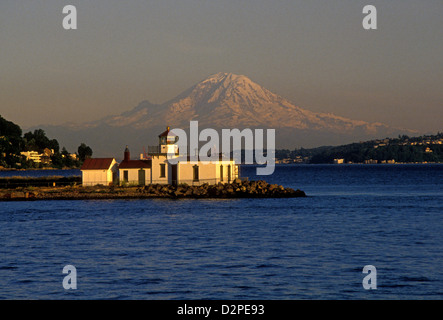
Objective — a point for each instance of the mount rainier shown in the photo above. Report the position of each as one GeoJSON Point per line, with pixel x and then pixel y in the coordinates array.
{"type": "Point", "coordinates": [222, 100]}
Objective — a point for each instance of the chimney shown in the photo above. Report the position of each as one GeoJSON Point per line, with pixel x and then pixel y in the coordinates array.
{"type": "Point", "coordinates": [127, 154]}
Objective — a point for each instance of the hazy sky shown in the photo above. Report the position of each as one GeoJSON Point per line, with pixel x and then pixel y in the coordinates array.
{"type": "Point", "coordinates": [315, 53]}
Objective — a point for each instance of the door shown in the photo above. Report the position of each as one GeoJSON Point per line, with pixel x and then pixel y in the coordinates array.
{"type": "Point", "coordinates": [174, 174]}
{"type": "Point", "coordinates": [142, 177]}
{"type": "Point", "coordinates": [115, 178]}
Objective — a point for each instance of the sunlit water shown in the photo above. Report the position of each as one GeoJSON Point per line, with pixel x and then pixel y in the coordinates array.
{"type": "Point", "coordinates": [388, 216]}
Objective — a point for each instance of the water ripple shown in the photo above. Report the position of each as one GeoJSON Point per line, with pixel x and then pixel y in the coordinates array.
{"type": "Point", "coordinates": [311, 248]}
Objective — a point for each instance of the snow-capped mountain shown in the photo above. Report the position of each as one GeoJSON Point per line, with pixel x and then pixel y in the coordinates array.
{"type": "Point", "coordinates": [233, 101]}
{"type": "Point", "coordinates": [226, 100]}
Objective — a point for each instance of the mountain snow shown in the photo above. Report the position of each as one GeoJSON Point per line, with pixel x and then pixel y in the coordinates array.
{"type": "Point", "coordinates": [222, 100]}
{"type": "Point", "coordinates": [227, 100]}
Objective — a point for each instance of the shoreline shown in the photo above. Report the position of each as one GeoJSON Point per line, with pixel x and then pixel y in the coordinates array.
{"type": "Point", "coordinates": [37, 169]}
{"type": "Point", "coordinates": [242, 164]}
{"type": "Point", "coordinates": [236, 189]}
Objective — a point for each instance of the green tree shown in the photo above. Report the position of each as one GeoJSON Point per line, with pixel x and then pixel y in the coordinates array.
{"type": "Point", "coordinates": [84, 152]}
{"type": "Point", "coordinates": [38, 141]}
{"type": "Point", "coordinates": [57, 160]}
{"type": "Point", "coordinates": [9, 129]}
{"type": "Point", "coordinates": [11, 143]}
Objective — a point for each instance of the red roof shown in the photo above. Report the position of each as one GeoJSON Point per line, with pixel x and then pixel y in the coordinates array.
{"type": "Point", "coordinates": [97, 164]}
{"type": "Point", "coordinates": [164, 133]}
{"type": "Point", "coordinates": [135, 164]}
{"type": "Point", "coordinates": [167, 133]}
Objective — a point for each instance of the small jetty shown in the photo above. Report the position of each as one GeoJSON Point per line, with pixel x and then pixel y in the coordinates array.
{"type": "Point", "coordinates": [236, 189]}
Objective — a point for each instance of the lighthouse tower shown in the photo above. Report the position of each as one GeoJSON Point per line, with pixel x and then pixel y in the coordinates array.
{"type": "Point", "coordinates": [166, 141]}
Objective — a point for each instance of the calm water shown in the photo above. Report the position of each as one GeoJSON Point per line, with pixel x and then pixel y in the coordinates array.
{"type": "Point", "coordinates": [40, 173]}
{"type": "Point", "coordinates": [389, 216]}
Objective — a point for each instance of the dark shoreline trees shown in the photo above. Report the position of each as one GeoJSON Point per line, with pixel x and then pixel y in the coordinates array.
{"type": "Point", "coordinates": [404, 149]}
{"type": "Point", "coordinates": [12, 143]}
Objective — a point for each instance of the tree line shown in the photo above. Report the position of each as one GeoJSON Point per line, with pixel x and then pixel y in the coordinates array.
{"type": "Point", "coordinates": [398, 153]}
{"type": "Point", "coordinates": [428, 148]}
{"type": "Point", "coordinates": [401, 149]}
{"type": "Point", "coordinates": [13, 142]}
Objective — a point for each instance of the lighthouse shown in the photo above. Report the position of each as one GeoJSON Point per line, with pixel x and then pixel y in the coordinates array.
{"type": "Point", "coordinates": [166, 141]}
{"type": "Point", "coordinates": [169, 167]}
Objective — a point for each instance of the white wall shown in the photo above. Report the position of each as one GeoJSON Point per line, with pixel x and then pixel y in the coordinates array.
{"type": "Point", "coordinates": [155, 169]}
{"type": "Point", "coordinates": [94, 177]}
{"type": "Point", "coordinates": [226, 164]}
{"type": "Point", "coordinates": [208, 172]}
{"type": "Point", "coordinates": [133, 176]}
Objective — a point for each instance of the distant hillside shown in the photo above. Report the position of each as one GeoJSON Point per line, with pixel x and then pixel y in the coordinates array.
{"type": "Point", "coordinates": [403, 149]}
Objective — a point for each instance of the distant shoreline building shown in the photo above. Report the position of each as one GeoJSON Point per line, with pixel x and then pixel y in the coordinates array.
{"type": "Point", "coordinates": [32, 155]}
{"type": "Point", "coordinates": [339, 161]}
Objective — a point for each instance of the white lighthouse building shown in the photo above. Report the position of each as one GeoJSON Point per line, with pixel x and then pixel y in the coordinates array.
{"type": "Point", "coordinates": [163, 165]}
{"type": "Point", "coordinates": [169, 167]}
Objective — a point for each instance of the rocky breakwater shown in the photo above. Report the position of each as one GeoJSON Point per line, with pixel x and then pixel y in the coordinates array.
{"type": "Point", "coordinates": [236, 189]}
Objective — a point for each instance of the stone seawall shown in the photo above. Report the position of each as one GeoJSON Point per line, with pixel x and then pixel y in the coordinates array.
{"type": "Point", "coordinates": [236, 189]}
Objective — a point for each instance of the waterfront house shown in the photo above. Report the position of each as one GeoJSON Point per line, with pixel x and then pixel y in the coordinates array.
{"type": "Point", "coordinates": [96, 171]}
{"type": "Point", "coordinates": [134, 172]}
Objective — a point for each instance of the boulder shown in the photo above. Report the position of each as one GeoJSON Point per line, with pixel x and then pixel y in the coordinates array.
{"type": "Point", "coordinates": [177, 194]}
{"type": "Point", "coordinates": [237, 181]}
{"type": "Point", "coordinates": [18, 195]}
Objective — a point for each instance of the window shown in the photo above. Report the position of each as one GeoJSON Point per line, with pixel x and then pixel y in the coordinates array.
{"type": "Point", "coordinates": [125, 176]}
{"type": "Point", "coordinates": [195, 171]}
{"type": "Point", "coordinates": [221, 172]}
{"type": "Point", "coordinates": [162, 170]}
{"type": "Point", "coordinates": [171, 139]}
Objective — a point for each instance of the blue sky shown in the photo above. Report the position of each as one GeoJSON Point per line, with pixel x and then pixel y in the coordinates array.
{"type": "Point", "coordinates": [315, 53]}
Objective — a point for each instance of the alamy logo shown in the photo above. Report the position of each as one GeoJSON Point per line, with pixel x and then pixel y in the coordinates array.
{"type": "Point", "coordinates": [370, 281]}
{"type": "Point", "coordinates": [70, 281]}
{"type": "Point", "coordinates": [70, 20]}
{"type": "Point", "coordinates": [370, 21]}
{"type": "Point", "coordinates": [253, 146]}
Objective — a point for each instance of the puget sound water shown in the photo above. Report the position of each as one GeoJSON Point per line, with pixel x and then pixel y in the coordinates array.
{"type": "Point", "coordinates": [387, 216]}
